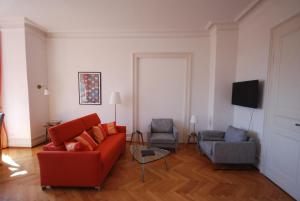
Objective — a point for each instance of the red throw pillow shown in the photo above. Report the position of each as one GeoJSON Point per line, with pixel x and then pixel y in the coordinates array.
{"type": "Point", "coordinates": [110, 128]}
{"type": "Point", "coordinates": [75, 146]}
{"type": "Point", "coordinates": [99, 133]}
{"type": "Point", "coordinates": [86, 140]}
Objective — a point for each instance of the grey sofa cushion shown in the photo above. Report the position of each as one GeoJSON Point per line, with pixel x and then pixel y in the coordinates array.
{"type": "Point", "coordinates": [212, 135]}
{"type": "Point", "coordinates": [235, 135]}
{"type": "Point", "coordinates": [162, 126]}
{"type": "Point", "coordinates": [162, 138]}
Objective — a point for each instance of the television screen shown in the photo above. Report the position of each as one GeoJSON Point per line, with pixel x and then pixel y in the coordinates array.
{"type": "Point", "coordinates": [245, 93]}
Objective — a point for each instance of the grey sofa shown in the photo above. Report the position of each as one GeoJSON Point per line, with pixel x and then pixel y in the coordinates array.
{"type": "Point", "coordinates": [162, 133]}
{"type": "Point", "coordinates": [230, 147]}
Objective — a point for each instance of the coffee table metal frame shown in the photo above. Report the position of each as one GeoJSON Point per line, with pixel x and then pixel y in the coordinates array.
{"type": "Point", "coordinates": [135, 150]}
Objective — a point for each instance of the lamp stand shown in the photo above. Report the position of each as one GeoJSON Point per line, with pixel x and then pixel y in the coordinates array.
{"type": "Point", "coordinates": [115, 112]}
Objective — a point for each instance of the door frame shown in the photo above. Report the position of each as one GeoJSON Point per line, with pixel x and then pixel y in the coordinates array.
{"type": "Point", "coordinates": [187, 88]}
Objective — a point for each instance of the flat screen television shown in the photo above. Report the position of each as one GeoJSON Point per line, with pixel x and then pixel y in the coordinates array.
{"type": "Point", "coordinates": [245, 93]}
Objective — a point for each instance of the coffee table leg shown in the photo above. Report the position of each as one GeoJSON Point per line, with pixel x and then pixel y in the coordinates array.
{"type": "Point", "coordinates": [142, 175]}
{"type": "Point", "coordinates": [167, 168]}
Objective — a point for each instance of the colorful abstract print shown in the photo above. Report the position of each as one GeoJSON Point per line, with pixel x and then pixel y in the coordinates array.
{"type": "Point", "coordinates": [89, 88]}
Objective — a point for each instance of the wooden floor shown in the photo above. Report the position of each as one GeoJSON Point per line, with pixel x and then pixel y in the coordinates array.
{"type": "Point", "coordinates": [191, 177]}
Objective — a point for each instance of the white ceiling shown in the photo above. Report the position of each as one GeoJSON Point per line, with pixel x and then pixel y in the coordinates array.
{"type": "Point", "coordinates": [125, 15]}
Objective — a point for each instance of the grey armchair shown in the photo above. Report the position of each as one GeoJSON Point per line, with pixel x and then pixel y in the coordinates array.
{"type": "Point", "coordinates": [230, 147]}
{"type": "Point", "coordinates": [162, 133]}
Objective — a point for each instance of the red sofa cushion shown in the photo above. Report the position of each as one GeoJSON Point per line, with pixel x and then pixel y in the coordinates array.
{"type": "Point", "coordinates": [66, 131]}
{"type": "Point", "coordinates": [69, 130]}
{"type": "Point", "coordinates": [90, 121]}
{"type": "Point", "coordinates": [52, 147]}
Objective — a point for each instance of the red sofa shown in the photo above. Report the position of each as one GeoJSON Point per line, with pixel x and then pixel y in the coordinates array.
{"type": "Point", "coordinates": [59, 167]}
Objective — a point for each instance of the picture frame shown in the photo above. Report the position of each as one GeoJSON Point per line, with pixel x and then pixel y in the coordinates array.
{"type": "Point", "coordinates": [89, 88]}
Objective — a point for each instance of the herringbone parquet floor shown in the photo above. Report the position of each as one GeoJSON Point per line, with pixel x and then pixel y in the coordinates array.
{"type": "Point", "coordinates": [190, 177]}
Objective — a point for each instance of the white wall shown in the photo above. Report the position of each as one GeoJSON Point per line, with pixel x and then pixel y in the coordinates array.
{"type": "Point", "coordinates": [223, 44]}
{"type": "Point", "coordinates": [113, 57]}
{"type": "Point", "coordinates": [37, 74]}
{"type": "Point", "coordinates": [161, 91]}
{"type": "Point", "coordinates": [253, 53]}
{"type": "Point", "coordinates": [15, 87]}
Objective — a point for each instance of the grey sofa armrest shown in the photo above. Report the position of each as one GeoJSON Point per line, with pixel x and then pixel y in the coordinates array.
{"type": "Point", "coordinates": [234, 152]}
{"type": "Point", "coordinates": [211, 135]}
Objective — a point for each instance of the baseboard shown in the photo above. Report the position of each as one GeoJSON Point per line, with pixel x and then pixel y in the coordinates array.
{"type": "Point", "coordinates": [38, 140]}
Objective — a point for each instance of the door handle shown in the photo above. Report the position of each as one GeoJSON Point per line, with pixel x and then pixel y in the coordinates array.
{"type": "Point", "coordinates": [297, 124]}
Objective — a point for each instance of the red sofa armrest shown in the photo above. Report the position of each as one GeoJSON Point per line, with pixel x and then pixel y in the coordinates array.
{"type": "Point", "coordinates": [121, 129]}
{"type": "Point", "coordinates": [63, 168]}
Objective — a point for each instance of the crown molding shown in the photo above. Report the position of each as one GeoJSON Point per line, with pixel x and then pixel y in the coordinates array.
{"type": "Point", "coordinates": [131, 34]}
{"type": "Point", "coordinates": [20, 22]}
{"type": "Point", "coordinates": [248, 10]}
{"type": "Point", "coordinates": [221, 26]}
{"type": "Point", "coordinates": [12, 22]}
{"type": "Point", "coordinates": [35, 25]}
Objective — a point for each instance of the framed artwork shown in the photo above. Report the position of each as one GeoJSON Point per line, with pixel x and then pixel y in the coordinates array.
{"type": "Point", "coordinates": [89, 85]}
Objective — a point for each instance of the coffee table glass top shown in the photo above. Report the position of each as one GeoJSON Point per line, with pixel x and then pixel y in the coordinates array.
{"type": "Point", "coordinates": [136, 151]}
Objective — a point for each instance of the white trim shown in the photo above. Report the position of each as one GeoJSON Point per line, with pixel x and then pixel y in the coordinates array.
{"type": "Point", "coordinates": [131, 34]}
{"type": "Point", "coordinates": [20, 22]}
{"type": "Point", "coordinates": [38, 140]}
{"type": "Point", "coordinates": [188, 76]}
{"type": "Point", "coordinates": [247, 10]}
{"type": "Point", "coordinates": [221, 26]}
{"type": "Point", "coordinates": [35, 25]}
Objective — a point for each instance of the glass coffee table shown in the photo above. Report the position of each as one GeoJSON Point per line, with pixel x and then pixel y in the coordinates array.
{"type": "Point", "coordinates": [136, 151]}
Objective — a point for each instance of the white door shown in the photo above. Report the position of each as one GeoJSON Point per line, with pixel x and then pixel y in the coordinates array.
{"type": "Point", "coordinates": [282, 128]}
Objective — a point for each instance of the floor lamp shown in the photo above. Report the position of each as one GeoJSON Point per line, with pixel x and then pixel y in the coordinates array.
{"type": "Point", "coordinates": [115, 99]}
{"type": "Point", "coordinates": [1, 121]}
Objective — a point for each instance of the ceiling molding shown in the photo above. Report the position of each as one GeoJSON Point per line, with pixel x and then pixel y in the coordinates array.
{"type": "Point", "coordinates": [12, 22]}
{"type": "Point", "coordinates": [247, 10]}
{"type": "Point", "coordinates": [20, 22]}
{"type": "Point", "coordinates": [221, 26]}
{"type": "Point", "coordinates": [131, 34]}
{"type": "Point", "coordinates": [35, 25]}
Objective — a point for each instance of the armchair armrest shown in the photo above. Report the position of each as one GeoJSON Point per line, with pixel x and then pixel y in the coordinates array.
{"type": "Point", "coordinates": [211, 135]}
{"type": "Point", "coordinates": [234, 152]}
{"type": "Point", "coordinates": [175, 133]}
{"type": "Point", "coordinates": [149, 133]}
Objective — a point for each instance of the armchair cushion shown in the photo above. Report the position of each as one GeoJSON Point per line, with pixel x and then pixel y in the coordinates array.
{"type": "Point", "coordinates": [162, 126]}
{"type": "Point", "coordinates": [162, 138]}
{"type": "Point", "coordinates": [235, 135]}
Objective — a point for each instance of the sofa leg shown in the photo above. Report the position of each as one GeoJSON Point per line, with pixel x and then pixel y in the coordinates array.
{"type": "Point", "coordinates": [97, 188]}
{"type": "Point", "coordinates": [45, 187]}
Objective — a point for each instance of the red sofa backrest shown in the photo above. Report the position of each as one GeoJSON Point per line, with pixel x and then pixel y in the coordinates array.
{"type": "Point", "coordinates": [68, 130]}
